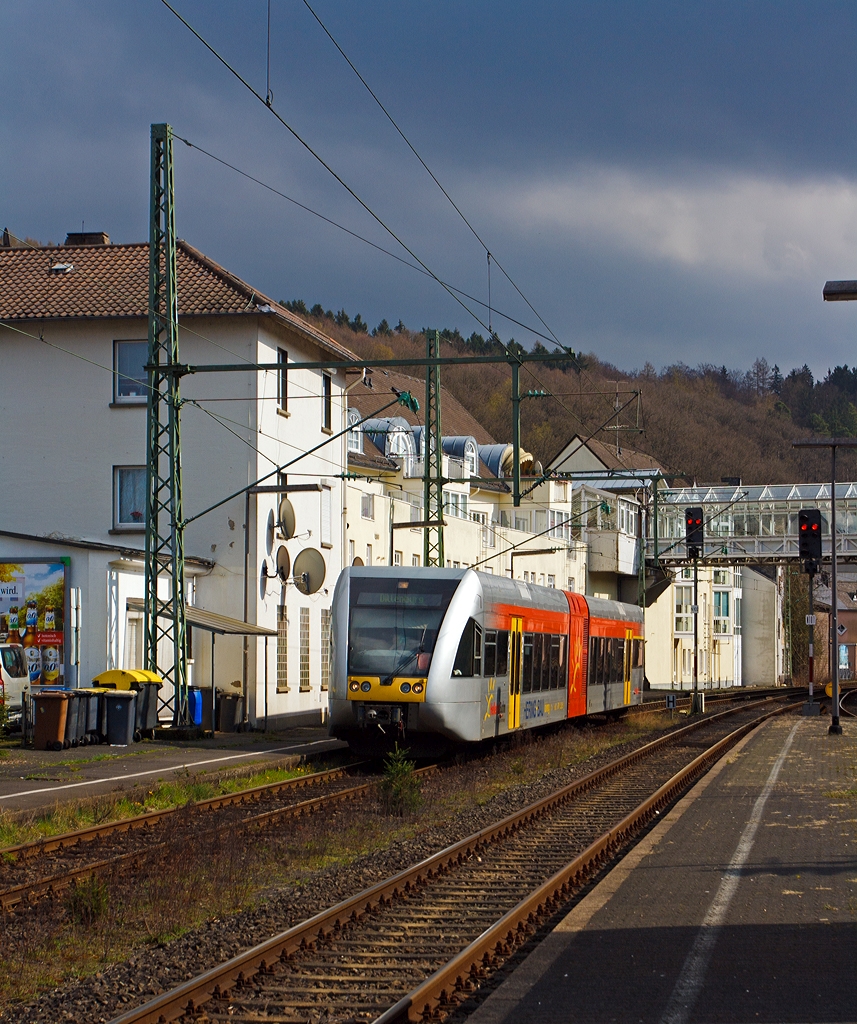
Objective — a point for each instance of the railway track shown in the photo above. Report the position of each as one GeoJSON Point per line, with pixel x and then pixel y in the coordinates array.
{"type": "Point", "coordinates": [416, 945]}
{"type": "Point", "coordinates": [50, 865]}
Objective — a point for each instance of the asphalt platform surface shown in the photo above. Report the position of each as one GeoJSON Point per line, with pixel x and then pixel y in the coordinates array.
{"type": "Point", "coordinates": [740, 906]}
{"type": "Point", "coordinates": [35, 779]}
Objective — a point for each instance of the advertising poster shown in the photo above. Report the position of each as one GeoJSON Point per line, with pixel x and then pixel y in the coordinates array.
{"type": "Point", "coordinates": [32, 613]}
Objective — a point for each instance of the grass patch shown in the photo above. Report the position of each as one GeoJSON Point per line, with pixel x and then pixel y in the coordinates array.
{"type": "Point", "coordinates": [220, 876]}
{"type": "Point", "coordinates": [16, 828]}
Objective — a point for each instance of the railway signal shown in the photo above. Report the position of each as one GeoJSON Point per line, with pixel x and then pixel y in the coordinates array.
{"type": "Point", "coordinates": [809, 534]}
{"type": "Point", "coordinates": [694, 530]}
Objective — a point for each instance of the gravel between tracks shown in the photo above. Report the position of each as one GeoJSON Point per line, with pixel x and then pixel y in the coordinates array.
{"type": "Point", "coordinates": [156, 968]}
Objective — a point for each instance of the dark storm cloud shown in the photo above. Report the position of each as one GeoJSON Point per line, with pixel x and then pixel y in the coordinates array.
{"type": "Point", "coordinates": [664, 181]}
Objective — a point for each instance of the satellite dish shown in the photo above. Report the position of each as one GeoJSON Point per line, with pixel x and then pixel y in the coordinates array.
{"type": "Point", "coordinates": [309, 571]}
{"type": "Point", "coordinates": [358, 560]}
{"type": "Point", "coordinates": [269, 532]}
{"type": "Point", "coordinates": [283, 563]}
{"type": "Point", "coordinates": [286, 518]}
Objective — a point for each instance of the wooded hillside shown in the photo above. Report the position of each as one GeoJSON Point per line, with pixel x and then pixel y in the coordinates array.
{"type": "Point", "coordinates": [707, 422]}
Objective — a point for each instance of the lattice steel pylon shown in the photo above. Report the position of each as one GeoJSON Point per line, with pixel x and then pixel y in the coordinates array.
{"type": "Point", "coordinates": [165, 625]}
{"type": "Point", "coordinates": [433, 459]}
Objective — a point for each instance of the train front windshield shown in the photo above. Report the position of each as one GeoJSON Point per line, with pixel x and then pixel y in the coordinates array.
{"type": "Point", "coordinates": [393, 624]}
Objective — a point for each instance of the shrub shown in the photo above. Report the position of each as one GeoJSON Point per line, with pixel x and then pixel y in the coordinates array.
{"type": "Point", "coordinates": [400, 788]}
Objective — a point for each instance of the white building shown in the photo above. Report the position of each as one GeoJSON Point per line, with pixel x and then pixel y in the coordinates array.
{"type": "Point", "coordinates": [73, 392]}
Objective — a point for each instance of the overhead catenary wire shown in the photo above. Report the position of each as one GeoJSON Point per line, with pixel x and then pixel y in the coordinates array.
{"type": "Point", "coordinates": [367, 241]}
{"type": "Point", "coordinates": [431, 174]}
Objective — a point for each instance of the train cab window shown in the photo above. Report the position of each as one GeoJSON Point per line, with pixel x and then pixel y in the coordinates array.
{"type": "Point", "coordinates": [468, 659]}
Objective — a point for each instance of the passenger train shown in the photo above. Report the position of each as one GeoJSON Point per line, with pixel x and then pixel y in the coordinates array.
{"type": "Point", "coordinates": [436, 658]}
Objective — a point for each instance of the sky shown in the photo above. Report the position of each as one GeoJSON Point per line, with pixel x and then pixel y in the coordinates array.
{"type": "Point", "coordinates": [664, 182]}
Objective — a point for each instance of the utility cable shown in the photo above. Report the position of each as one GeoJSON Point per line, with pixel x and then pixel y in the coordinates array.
{"type": "Point", "coordinates": [321, 160]}
{"type": "Point", "coordinates": [431, 174]}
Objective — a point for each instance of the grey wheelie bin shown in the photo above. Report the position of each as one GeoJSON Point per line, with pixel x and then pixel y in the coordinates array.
{"type": "Point", "coordinates": [230, 711]}
{"type": "Point", "coordinates": [75, 720]}
{"type": "Point", "coordinates": [120, 716]}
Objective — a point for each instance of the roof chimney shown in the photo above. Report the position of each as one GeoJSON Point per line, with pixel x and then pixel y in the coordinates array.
{"type": "Point", "coordinates": [87, 238]}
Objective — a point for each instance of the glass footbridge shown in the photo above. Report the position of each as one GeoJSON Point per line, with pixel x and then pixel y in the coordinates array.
{"type": "Point", "coordinates": [749, 524]}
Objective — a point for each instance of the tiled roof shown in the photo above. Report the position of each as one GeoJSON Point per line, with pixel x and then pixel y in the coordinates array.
{"type": "Point", "coordinates": [71, 282]}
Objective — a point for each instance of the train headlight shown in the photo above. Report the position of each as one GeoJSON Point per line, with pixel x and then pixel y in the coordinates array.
{"type": "Point", "coordinates": [418, 687]}
{"type": "Point", "coordinates": [354, 685]}
{"type": "Point", "coordinates": [405, 687]}
{"type": "Point", "coordinates": [366, 686]}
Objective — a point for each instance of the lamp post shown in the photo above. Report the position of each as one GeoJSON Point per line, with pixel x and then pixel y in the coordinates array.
{"type": "Point", "coordinates": [836, 291]}
{"type": "Point", "coordinates": [833, 443]}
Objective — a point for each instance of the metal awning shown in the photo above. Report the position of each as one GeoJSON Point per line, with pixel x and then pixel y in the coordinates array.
{"type": "Point", "coordinates": [212, 622]}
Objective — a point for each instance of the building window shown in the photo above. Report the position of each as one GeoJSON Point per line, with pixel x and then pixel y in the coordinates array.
{"type": "Point", "coordinates": [130, 380]}
{"type": "Point", "coordinates": [355, 433]}
{"type": "Point", "coordinates": [129, 497]}
{"type": "Point", "coordinates": [721, 576]}
{"type": "Point", "coordinates": [522, 522]}
{"type": "Point", "coordinates": [415, 559]}
{"type": "Point", "coordinates": [326, 402]}
{"type": "Point", "coordinates": [397, 558]}
{"type": "Point", "coordinates": [570, 586]}
{"type": "Point", "coordinates": [283, 379]}
{"type": "Point", "coordinates": [684, 609]}
{"type": "Point", "coordinates": [325, 648]}
{"type": "Point", "coordinates": [456, 504]}
{"type": "Point", "coordinates": [552, 581]}
{"type": "Point", "coordinates": [737, 627]}
{"type": "Point", "coordinates": [326, 517]}
{"type": "Point", "coordinates": [367, 506]}
{"type": "Point", "coordinates": [304, 678]}
{"type": "Point", "coordinates": [471, 461]}
{"type": "Point", "coordinates": [282, 650]}
{"type": "Point", "coordinates": [721, 611]}
{"type": "Point", "coordinates": [351, 552]}
{"type": "Point", "coordinates": [368, 554]}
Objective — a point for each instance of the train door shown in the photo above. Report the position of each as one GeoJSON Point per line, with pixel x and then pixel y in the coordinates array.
{"type": "Point", "coordinates": [515, 654]}
{"type": "Point", "coordinates": [629, 662]}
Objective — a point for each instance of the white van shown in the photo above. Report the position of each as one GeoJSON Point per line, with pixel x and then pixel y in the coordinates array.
{"type": "Point", "coordinates": [14, 679]}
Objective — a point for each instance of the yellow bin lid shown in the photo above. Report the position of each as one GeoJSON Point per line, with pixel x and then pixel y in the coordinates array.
{"type": "Point", "coordinates": [124, 678]}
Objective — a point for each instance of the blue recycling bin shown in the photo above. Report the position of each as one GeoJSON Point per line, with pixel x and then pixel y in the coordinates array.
{"type": "Point", "coordinates": [194, 704]}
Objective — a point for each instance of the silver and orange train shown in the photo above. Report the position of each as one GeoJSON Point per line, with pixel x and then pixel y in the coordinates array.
{"type": "Point", "coordinates": [435, 658]}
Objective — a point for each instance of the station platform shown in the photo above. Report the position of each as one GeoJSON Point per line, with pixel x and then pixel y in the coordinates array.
{"type": "Point", "coordinates": [35, 779]}
{"type": "Point", "coordinates": [740, 906]}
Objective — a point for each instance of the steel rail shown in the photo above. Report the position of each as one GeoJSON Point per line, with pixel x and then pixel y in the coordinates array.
{"type": "Point", "coordinates": [457, 979]}
{"type": "Point", "coordinates": [66, 840]}
{"type": "Point", "coordinates": [54, 884]}
{"type": "Point", "coordinates": [218, 982]}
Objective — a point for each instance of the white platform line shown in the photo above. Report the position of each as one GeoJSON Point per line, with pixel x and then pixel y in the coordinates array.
{"type": "Point", "coordinates": [161, 771]}
{"type": "Point", "coordinates": [692, 975]}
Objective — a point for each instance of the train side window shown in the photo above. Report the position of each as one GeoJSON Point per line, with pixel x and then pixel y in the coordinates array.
{"type": "Point", "coordinates": [490, 658]}
{"type": "Point", "coordinates": [502, 653]}
{"type": "Point", "coordinates": [556, 661]}
{"type": "Point", "coordinates": [545, 661]}
{"type": "Point", "coordinates": [637, 653]}
{"type": "Point", "coordinates": [620, 661]}
{"type": "Point", "coordinates": [468, 658]}
{"type": "Point", "coordinates": [527, 671]}
{"type": "Point", "coordinates": [538, 661]}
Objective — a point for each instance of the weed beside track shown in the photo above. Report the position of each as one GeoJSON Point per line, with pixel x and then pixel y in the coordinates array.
{"type": "Point", "coordinates": [203, 902]}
